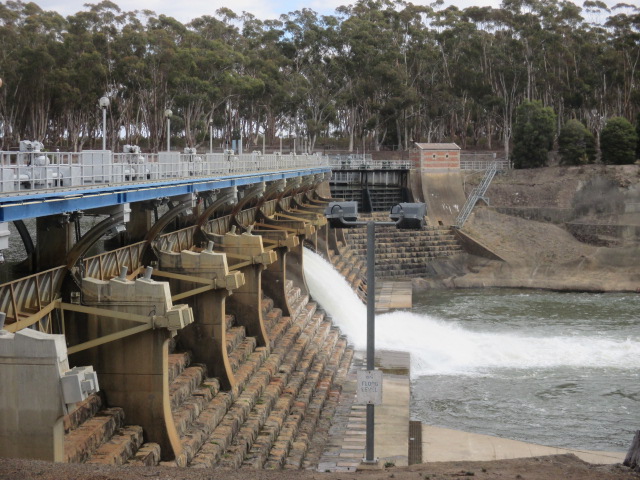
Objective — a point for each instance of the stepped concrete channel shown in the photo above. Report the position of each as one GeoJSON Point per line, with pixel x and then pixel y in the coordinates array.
{"type": "Point", "coordinates": [403, 253]}
{"type": "Point", "coordinates": [282, 395]}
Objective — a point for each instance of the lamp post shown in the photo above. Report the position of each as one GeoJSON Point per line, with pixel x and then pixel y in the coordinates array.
{"type": "Point", "coordinates": [345, 215]}
{"type": "Point", "coordinates": [167, 115]}
{"type": "Point", "coordinates": [104, 104]}
{"type": "Point", "coordinates": [211, 136]}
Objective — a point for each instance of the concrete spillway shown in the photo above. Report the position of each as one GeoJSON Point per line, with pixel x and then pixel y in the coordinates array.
{"type": "Point", "coordinates": [213, 357]}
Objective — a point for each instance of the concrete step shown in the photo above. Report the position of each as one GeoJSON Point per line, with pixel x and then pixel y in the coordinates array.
{"type": "Point", "coordinates": [242, 351]}
{"type": "Point", "coordinates": [183, 386]}
{"type": "Point", "coordinates": [124, 443]}
{"type": "Point", "coordinates": [177, 363]}
{"type": "Point", "coordinates": [292, 373]}
{"type": "Point", "coordinates": [321, 434]}
{"type": "Point", "coordinates": [83, 411]}
{"type": "Point", "coordinates": [278, 328]}
{"type": "Point", "coordinates": [308, 383]}
{"type": "Point", "coordinates": [274, 394]}
{"type": "Point", "coordinates": [272, 317]}
{"type": "Point", "coordinates": [148, 455]}
{"type": "Point", "coordinates": [202, 413]}
{"type": "Point", "coordinates": [218, 447]}
{"type": "Point", "coordinates": [235, 335]}
{"type": "Point", "coordinates": [298, 305]}
{"type": "Point", "coordinates": [207, 422]}
{"type": "Point", "coordinates": [293, 294]}
{"type": "Point", "coordinates": [303, 438]}
{"type": "Point", "coordinates": [81, 443]}
{"type": "Point", "coordinates": [248, 368]}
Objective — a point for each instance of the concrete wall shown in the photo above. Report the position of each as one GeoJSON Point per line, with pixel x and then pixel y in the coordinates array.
{"type": "Point", "coordinates": [31, 404]}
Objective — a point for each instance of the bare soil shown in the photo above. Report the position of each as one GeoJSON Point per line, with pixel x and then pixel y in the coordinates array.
{"type": "Point", "coordinates": [541, 254]}
{"type": "Point", "coordinates": [565, 467]}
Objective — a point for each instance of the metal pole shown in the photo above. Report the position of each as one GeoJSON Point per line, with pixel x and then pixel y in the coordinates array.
{"type": "Point", "coordinates": [371, 329]}
{"type": "Point", "coordinates": [211, 138]}
{"type": "Point", "coordinates": [104, 128]}
{"type": "Point", "coordinates": [168, 134]}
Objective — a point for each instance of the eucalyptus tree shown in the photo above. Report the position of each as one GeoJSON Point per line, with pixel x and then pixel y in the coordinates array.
{"type": "Point", "coordinates": [29, 65]}
{"type": "Point", "coordinates": [309, 43]}
{"type": "Point", "coordinates": [625, 39]}
{"type": "Point", "coordinates": [266, 64]}
{"type": "Point", "coordinates": [88, 72]}
{"type": "Point", "coordinates": [371, 57]}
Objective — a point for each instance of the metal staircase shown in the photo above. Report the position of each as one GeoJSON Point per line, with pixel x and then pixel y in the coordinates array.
{"type": "Point", "coordinates": [476, 194]}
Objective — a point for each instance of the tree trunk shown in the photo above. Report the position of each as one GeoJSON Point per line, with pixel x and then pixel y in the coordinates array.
{"type": "Point", "coordinates": [632, 460]}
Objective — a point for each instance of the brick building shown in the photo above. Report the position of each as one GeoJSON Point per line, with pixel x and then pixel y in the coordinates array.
{"type": "Point", "coordinates": [435, 156]}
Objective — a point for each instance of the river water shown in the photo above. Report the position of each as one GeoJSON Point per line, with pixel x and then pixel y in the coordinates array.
{"type": "Point", "coordinates": [557, 369]}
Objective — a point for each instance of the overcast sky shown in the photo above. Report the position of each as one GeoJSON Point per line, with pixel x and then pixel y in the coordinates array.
{"type": "Point", "coordinates": [186, 10]}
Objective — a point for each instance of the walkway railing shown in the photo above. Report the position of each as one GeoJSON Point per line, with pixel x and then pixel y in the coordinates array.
{"type": "Point", "coordinates": [365, 162]}
{"type": "Point", "coordinates": [32, 171]}
{"type": "Point", "coordinates": [482, 161]}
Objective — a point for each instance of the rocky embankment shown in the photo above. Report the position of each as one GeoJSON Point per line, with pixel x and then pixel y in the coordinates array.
{"type": "Point", "coordinates": [561, 228]}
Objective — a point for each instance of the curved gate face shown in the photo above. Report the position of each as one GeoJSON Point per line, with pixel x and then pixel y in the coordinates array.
{"type": "Point", "coordinates": [31, 301]}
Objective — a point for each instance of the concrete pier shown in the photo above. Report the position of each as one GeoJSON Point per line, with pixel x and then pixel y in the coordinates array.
{"type": "Point", "coordinates": [393, 295]}
{"type": "Point", "coordinates": [346, 446]}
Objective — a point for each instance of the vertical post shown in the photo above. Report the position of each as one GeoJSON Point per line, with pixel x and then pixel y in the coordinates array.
{"type": "Point", "coordinates": [371, 330]}
{"type": "Point", "coordinates": [167, 115]}
{"type": "Point", "coordinates": [280, 144]}
{"type": "Point", "coordinates": [104, 128]}
{"type": "Point", "coordinates": [168, 133]}
{"type": "Point", "coordinates": [104, 104]}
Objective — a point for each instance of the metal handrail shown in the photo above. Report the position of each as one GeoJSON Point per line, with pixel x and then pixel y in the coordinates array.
{"type": "Point", "coordinates": [360, 162]}
{"type": "Point", "coordinates": [26, 172]}
{"type": "Point", "coordinates": [476, 194]}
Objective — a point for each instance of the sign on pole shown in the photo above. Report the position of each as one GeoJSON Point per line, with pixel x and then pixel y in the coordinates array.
{"type": "Point", "coordinates": [369, 389]}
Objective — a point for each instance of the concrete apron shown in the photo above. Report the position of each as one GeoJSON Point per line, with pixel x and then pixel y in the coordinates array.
{"type": "Point", "coordinates": [438, 444]}
{"type": "Point", "coordinates": [446, 445]}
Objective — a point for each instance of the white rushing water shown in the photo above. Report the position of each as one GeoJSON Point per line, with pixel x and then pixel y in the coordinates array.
{"type": "Point", "coordinates": [439, 347]}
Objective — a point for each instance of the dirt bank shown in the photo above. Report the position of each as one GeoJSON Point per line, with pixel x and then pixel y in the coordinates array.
{"type": "Point", "coordinates": [543, 254]}
{"type": "Point", "coordinates": [566, 467]}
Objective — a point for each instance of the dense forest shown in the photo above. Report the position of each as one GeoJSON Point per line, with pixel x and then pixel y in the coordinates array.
{"type": "Point", "coordinates": [377, 74]}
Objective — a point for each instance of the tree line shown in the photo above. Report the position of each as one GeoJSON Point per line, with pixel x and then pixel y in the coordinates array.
{"type": "Point", "coordinates": [376, 74]}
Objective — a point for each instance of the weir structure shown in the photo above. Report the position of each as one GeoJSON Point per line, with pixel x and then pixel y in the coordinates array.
{"type": "Point", "coordinates": [161, 315]}
{"type": "Point", "coordinates": [184, 302]}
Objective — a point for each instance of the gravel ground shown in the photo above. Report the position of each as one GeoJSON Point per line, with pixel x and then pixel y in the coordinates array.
{"type": "Point", "coordinates": [565, 467]}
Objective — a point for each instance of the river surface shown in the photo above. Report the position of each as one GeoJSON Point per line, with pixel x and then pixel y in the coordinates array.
{"type": "Point", "coordinates": [557, 369]}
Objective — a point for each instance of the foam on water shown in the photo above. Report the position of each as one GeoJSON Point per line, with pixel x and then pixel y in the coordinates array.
{"type": "Point", "coordinates": [439, 347]}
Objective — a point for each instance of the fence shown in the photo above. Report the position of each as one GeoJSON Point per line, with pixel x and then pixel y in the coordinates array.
{"type": "Point", "coordinates": [482, 161]}
{"type": "Point", "coordinates": [32, 171]}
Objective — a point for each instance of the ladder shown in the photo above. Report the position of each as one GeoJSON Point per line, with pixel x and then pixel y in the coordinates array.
{"type": "Point", "coordinates": [476, 194]}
